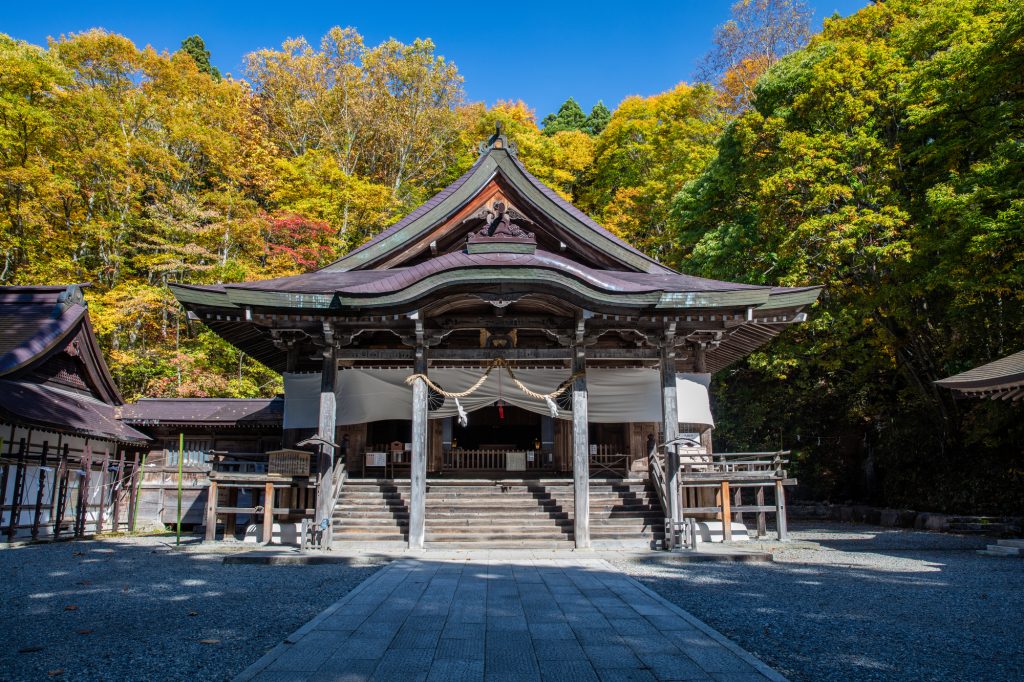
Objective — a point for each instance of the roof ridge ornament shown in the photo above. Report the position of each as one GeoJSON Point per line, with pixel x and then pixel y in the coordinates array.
{"type": "Point", "coordinates": [499, 234]}
{"type": "Point", "coordinates": [499, 141]}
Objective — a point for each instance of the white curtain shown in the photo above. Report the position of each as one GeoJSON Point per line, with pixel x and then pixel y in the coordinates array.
{"type": "Point", "coordinates": [614, 395]}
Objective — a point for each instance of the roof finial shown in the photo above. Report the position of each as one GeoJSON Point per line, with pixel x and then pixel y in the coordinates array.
{"type": "Point", "coordinates": [499, 141]}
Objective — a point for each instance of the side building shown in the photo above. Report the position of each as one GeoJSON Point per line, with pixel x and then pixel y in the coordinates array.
{"type": "Point", "coordinates": [230, 435]}
{"type": "Point", "coordinates": [67, 464]}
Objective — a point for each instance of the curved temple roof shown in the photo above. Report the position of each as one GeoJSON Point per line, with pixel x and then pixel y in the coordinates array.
{"type": "Point", "coordinates": [52, 372]}
{"type": "Point", "coordinates": [500, 234]}
{"type": "Point", "coordinates": [1003, 379]}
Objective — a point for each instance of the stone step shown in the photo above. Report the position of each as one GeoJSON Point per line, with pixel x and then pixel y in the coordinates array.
{"type": "Point", "coordinates": [491, 539]}
{"type": "Point", "coordinates": [1011, 542]}
{"type": "Point", "coordinates": [500, 544]}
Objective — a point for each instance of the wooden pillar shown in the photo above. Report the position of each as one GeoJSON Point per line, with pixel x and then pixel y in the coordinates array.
{"type": "Point", "coordinates": [40, 489]}
{"type": "Point", "coordinates": [135, 481]}
{"type": "Point", "coordinates": [5, 475]}
{"type": "Point", "coordinates": [268, 513]}
{"type": "Point", "coordinates": [82, 513]}
{"type": "Point", "coordinates": [115, 521]}
{"type": "Point", "coordinates": [780, 510]}
{"type": "Point", "coordinates": [104, 475]}
{"type": "Point", "coordinates": [418, 473]}
{"type": "Point", "coordinates": [211, 512]}
{"type": "Point", "coordinates": [762, 526]}
{"type": "Point", "coordinates": [231, 520]}
{"type": "Point", "coordinates": [19, 485]}
{"type": "Point", "coordinates": [580, 450]}
{"type": "Point", "coordinates": [326, 431]}
{"type": "Point", "coordinates": [670, 423]}
{"type": "Point", "coordinates": [726, 513]}
{"type": "Point", "coordinates": [60, 497]}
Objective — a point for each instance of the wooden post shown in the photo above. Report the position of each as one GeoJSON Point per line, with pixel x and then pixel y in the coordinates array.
{"type": "Point", "coordinates": [326, 431]}
{"type": "Point", "coordinates": [737, 501]}
{"type": "Point", "coordinates": [211, 512]}
{"type": "Point", "coordinates": [231, 520]}
{"type": "Point", "coordinates": [418, 469]}
{"type": "Point", "coordinates": [780, 510]}
{"type": "Point", "coordinates": [61, 496]}
{"type": "Point", "coordinates": [40, 489]}
{"type": "Point", "coordinates": [82, 515]}
{"type": "Point", "coordinates": [762, 525]}
{"type": "Point", "coordinates": [19, 484]}
{"type": "Point", "coordinates": [133, 495]}
{"type": "Point", "coordinates": [104, 477]}
{"type": "Point", "coordinates": [670, 424]}
{"type": "Point", "coordinates": [6, 474]}
{"type": "Point", "coordinates": [726, 514]}
{"type": "Point", "coordinates": [580, 450]}
{"type": "Point", "coordinates": [268, 513]}
{"type": "Point", "coordinates": [115, 521]}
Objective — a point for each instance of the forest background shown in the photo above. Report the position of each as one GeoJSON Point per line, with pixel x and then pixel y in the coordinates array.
{"type": "Point", "coordinates": [882, 157]}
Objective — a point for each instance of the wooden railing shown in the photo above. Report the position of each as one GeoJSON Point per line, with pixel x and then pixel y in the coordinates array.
{"type": "Point", "coordinates": [728, 474]}
{"type": "Point", "coordinates": [494, 459]}
{"type": "Point", "coordinates": [608, 459]}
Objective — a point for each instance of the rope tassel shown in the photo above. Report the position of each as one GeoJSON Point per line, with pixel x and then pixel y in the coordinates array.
{"type": "Point", "coordinates": [552, 406]}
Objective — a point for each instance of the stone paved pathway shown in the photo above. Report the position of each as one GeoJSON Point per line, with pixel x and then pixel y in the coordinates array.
{"type": "Point", "coordinates": [505, 620]}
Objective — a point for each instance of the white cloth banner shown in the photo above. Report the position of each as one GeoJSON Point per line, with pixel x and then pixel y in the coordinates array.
{"type": "Point", "coordinates": [614, 395]}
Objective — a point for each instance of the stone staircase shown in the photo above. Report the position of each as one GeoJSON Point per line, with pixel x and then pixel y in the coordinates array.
{"type": "Point", "coordinates": [503, 513]}
{"type": "Point", "coordinates": [1005, 548]}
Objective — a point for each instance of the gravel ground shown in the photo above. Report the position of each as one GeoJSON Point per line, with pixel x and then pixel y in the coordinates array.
{"type": "Point", "coordinates": [855, 602]}
{"type": "Point", "coordinates": [138, 609]}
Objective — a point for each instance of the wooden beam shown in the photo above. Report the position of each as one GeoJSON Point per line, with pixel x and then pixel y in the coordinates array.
{"type": "Point", "coordinates": [484, 354]}
{"type": "Point", "coordinates": [211, 513]}
{"type": "Point", "coordinates": [81, 515]}
{"type": "Point", "coordinates": [418, 471]}
{"type": "Point", "coordinates": [580, 451]}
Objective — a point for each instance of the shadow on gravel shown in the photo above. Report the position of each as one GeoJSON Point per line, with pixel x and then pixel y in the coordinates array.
{"type": "Point", "coordinates": [141, 609]}
{"type": "Point", "coordinates": [865, 604]}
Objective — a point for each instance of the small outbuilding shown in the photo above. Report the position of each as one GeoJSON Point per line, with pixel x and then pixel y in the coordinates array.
{"type": "Point", "coordinates": [67, 463]}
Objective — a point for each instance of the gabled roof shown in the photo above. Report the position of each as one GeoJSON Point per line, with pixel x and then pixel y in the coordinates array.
{"type": "Point", "coordinates": [52, 372]}
{"type": "Point", "coordinates": [1003, 379]}
{"type": "Point", "coordinates": [497, 160]}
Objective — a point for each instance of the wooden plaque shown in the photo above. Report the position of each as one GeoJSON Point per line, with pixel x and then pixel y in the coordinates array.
{"type": "Point", "coordinates": [288, 463]}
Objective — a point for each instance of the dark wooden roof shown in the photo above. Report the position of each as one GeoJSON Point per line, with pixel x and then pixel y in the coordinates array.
{"type": "Point", "coordinates": [404, 288]}
{"type": "Point", "coordinates": [55, 409]}
{"type": "Point", "coordinates": [51, 367]}
{"type": "Point", "coordinates": [498, 160]}
{"type": "Point", "coordinates": [499, 236]}
{"type": "Point", "coordinates": [1002, 379]}
{"type": "Point", "coordinates": [205, 412]}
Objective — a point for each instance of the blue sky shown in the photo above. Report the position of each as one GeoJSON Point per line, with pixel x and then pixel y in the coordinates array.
{"type": "Point", "coordinates": [538, 52]}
